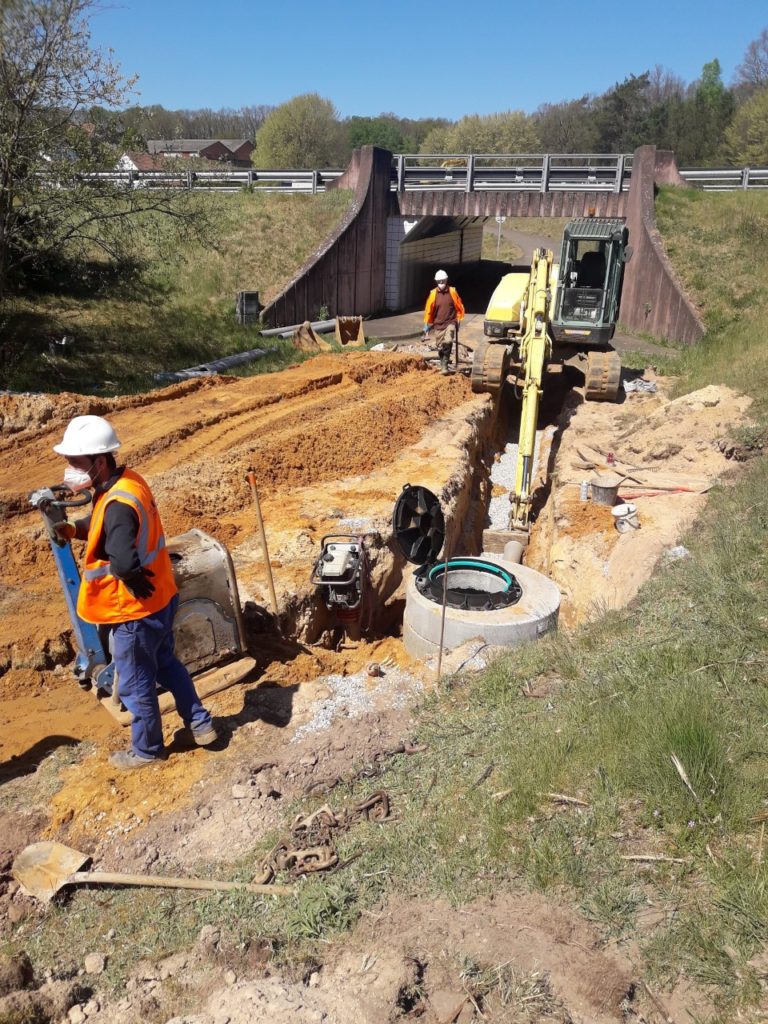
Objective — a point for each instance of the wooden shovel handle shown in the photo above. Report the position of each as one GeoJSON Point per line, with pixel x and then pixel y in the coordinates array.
{"type": "Point", "coordinates": [167, 882]}
{"type": "Point", "coordinates": [250, 476]}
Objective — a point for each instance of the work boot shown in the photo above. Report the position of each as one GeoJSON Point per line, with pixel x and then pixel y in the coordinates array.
{"type": "Point", "coordinates": [126, 760]}
{"type": "Point", "coordinates": [204, 737]}
{"type": "Point", "coordinates": [445, 364]}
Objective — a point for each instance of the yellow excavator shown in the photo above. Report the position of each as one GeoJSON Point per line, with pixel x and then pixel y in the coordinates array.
{"type": "Point", "coordinates": [550, 311]}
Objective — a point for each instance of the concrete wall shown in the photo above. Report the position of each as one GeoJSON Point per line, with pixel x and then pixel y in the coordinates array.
{"type": "Point", "coordinates": [397, 231]}
{"type": "Point", "coordinates": [420, 259]}
{"type": "Point", "coordinates": [411, 265]}
{"type": "Point", "coordinates": [346, 272]}
{"type": "Point", "coordinates": [653, 299]}
{"type": "Point", "coordinates": [512, 204]}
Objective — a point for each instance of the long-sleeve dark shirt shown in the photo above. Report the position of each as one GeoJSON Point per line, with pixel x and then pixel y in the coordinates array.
{"type": "Point", "coordinates": [117, 543]}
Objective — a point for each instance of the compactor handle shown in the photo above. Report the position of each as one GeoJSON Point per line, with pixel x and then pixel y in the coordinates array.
{"type": "Point", "coordinates": [84, 498]}
{"type": "Point", "coordinates": [50, 503]}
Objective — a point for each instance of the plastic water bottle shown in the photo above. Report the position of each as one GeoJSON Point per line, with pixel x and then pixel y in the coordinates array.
{"type": "Point", "coordinates": [584, 491]}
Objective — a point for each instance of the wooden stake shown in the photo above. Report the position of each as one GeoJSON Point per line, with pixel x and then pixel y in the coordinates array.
{"type": "Point", "coordinates": [250, 476]}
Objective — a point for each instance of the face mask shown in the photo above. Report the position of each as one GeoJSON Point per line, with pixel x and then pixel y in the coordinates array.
{"type": "Point", "coordinates": [442, 285]}
{"type": "Point", "coordinates": [77, 479]}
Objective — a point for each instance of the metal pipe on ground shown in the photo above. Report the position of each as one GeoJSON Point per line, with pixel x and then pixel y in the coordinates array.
{"type": "Point", "coordinates": [212, 367]}
{"type": "Point", "coordinates": [321, 326]}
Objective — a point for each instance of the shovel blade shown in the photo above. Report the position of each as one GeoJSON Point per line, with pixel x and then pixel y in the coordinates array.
{"type": "Point", "coordinates": [43, 868]}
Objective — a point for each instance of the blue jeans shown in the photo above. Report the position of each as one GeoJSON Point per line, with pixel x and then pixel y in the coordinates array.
{"type": "Point", "coordinates": [143, 654]}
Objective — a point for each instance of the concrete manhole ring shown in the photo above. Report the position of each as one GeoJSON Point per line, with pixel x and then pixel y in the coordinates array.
{"type": "Point", "coordinates": [533, 615]}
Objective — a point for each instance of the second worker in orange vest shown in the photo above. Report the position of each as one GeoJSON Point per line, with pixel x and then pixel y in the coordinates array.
{"type": "Point", "coordinates": [128, 588]}
{"type": "Point", "coordinates": [444, 310]}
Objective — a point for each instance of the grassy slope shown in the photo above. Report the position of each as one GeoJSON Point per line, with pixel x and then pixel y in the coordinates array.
{"type": "Point", "coordinates": [183, 311]}
{"type": "Point", "coordinates": [683, 671]}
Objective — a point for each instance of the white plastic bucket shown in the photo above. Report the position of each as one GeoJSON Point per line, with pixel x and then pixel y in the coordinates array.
{"type": "Point", "coordinates": [625, 517]}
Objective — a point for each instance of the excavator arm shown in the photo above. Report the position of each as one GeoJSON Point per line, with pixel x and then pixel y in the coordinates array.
{"type": "Point", "coordinates": [524, 302]}
{"type": "Point", "coordinates": [535, 350]}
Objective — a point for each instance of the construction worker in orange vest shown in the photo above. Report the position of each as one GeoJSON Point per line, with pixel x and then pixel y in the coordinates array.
{"type": "Point", "coordinates": [128, 588]}
{"type": "Point", "coordinates": [444, 310]}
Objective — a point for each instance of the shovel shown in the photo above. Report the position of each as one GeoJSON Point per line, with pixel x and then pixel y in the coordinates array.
{"type": "Point", "coordinates": [44, 868]}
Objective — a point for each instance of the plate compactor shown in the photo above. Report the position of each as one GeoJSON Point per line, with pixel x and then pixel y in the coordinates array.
{"type": "Point", "coordinates": [208, 627]}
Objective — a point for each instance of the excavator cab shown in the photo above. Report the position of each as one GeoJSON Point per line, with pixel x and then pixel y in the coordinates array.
{"type": "Point", "coordinates": [592, 260]}
{"type": "Point", "coordinates": [582, 308]}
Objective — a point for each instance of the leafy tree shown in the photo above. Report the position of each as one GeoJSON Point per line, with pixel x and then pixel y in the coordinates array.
{"type": "Point", "coordinates": [304, 132]}
{"type": "Point", "coordinates": [416, 130]}
{"type": "Point", "coordinates": [508, 132]}
{"type": "Point", "coordinates": [621, 116]}
{"type": "Point", "coordinates": [705, 117]}
{"type": "Point", "coordinates": [49, 211]}
{"type": "Point", "coordinates": [747, 135]}
{"type": "Point", "coordinates": [375, 131]}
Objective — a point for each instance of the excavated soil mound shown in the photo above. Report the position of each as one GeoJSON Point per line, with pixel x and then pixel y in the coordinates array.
{"type": "Point", "coordinates": [517, 958]}
{"type": "Point", "coordinates": [668, 453]}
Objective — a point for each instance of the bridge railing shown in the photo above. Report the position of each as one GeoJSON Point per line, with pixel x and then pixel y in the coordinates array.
{"type": "Point", "coordinates": [511, 172]}
{"type": "Point", "coordinates": [459, 172]}
{"type": "Point", "coordinates": [726, 179]}
{"type": "Point", "coordinates": [219, 180]}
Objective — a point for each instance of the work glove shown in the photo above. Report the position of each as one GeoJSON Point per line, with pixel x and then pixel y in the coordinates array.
{"type": "Point", "coordinates": [139, 584]}
{"type": "Point", "coordinates": [426, 330]}
{"type": "Point", "coordinates": [65, 530]}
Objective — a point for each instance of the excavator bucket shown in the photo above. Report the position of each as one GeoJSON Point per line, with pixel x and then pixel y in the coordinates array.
{"type": "Point", "coordinates": [349, 331]}
{"type": "Point", "coordinates": [306, 339]}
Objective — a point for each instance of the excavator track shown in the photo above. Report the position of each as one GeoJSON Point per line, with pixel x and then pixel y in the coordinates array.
{"type": "Point", "coordinates": [603, 377]}
{"type": "Point", "coordinates": [490, 366]}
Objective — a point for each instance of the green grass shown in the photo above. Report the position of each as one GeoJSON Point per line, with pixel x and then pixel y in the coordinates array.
{"type": "Point", "coordinates": [180, 312]}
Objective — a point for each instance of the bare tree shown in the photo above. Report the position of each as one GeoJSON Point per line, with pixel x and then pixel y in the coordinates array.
{"type": "Point", "coordinates": [664, 85]}
{"type": "Point", "coordinates": [752, 73]}
{"type": "Point", "coordinates": [49, 204]}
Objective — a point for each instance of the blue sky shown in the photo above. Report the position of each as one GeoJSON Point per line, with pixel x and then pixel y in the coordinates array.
{"type": "Point", "coordinates": [443, 60]}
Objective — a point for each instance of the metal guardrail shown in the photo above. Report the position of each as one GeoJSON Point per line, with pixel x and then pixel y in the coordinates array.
{"type": "Point", "coordinates": [512, 172]}
{"type": "Point", "coordinates": [726, 179]}
{"type": "Point", "coordinates": [448, 172]}
{"type": "Point", "coordinates": [224, 180]}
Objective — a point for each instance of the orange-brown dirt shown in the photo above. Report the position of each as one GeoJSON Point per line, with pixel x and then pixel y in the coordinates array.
{"type": "Point", "coordinates": [332, 439]}
{"type": "Point", "coordinates": [667, 451]}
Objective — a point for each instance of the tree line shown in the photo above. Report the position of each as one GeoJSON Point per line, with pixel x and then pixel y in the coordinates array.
{"type": "Point", "coordinates": [703, 122]}
{"type": "Point", "coordinates": [65, 111]}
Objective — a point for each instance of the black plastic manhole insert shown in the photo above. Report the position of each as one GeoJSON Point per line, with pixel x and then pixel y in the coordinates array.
{"type": "Point", "coordinates": [472, 584]}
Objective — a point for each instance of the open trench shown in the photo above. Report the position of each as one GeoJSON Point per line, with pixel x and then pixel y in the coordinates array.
{"type": "Point", "coordinates": [332, 442]}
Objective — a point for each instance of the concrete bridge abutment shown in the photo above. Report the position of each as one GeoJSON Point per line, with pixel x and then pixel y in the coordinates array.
{"type": "Point", "coordinates": [382, 253]}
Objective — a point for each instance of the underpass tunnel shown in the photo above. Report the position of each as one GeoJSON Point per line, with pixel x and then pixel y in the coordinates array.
{"type": "Point", "coordinates": [418, 246]}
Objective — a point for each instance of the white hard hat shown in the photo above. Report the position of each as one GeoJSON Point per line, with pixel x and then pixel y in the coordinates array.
{"type": "Point", "coordinates": [88, 435]}
{"type": "Point", "coordinates": [441, 276]}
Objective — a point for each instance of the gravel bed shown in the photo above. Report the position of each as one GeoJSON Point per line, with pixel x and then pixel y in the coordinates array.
{"type": "Point", "coordinates": [357, 695]}
{"type": "Point", "coordinates": [503, 474]}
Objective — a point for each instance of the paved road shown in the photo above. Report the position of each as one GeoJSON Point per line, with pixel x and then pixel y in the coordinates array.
{"type": "Point", "coordinates": [407, 327]}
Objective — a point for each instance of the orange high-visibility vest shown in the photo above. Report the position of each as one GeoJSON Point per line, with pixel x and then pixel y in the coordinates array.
{"type": "Point", "coordinates": [429, 310]}
{"type": "Point", "coordinates": [103, 598]}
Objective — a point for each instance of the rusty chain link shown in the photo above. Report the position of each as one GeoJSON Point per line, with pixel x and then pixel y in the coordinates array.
{"type": "Point", "coordinates": [310, 846]}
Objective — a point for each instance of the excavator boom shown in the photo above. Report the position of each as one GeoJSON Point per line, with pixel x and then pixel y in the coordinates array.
{"type": "Point", "coordinates": [535, 350]}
